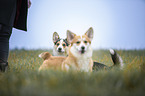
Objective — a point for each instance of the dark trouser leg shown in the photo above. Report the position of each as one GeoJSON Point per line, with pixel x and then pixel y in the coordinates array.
{"type": "Point", "coordinates": [5, 33]}
{"type": "Point", "coordinates": [7, 17]}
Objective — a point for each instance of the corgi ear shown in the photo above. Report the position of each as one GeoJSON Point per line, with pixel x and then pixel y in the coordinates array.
{"type": "Point", "coordinates": [55, 37]}
{"type": "Point", "coordinates": [89, 33]}
{"type": "Point", "coordinates": [70, 36]}
{"type": "Point", "coordinates": [66, 41]}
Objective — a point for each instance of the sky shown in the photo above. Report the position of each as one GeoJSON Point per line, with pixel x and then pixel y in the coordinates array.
{"type": "Point", "coordinates": [118, 24]}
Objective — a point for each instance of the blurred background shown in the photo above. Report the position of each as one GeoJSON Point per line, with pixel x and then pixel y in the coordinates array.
{"type": "Point", "coordinates": [118, 24]}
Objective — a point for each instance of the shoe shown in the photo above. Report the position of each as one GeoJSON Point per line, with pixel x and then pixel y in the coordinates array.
{"type": "Point", "coordinates": [3, 67]}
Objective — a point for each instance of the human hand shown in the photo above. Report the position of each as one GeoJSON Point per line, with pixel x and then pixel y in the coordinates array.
{"type": "Point", "coordinates": [29, 3]}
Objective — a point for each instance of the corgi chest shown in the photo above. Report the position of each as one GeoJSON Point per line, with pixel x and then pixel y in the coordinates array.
{"type": "Point", "coordinates": [84, 65]}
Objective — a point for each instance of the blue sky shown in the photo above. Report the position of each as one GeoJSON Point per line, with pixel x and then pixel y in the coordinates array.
{"type": "Point", "coordinates": [117, 24]}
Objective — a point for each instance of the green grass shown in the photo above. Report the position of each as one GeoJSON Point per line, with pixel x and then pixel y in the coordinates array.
{"type": "Point", "coordinates": [23, 78]}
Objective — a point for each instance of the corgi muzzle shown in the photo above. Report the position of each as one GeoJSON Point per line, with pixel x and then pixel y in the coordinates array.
{"type": "Point", "coordinates": [60, 49]}
{"type": "Point", "coordinates": [82, 51]}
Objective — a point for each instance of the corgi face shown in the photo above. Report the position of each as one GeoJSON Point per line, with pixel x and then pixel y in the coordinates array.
{"type": "Point", "coordinates": [60, 45]}
{"type": "Point", "coordinates": [80, 44]}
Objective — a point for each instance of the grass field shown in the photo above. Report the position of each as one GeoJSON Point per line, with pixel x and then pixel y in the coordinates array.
{"type": "Point", "coordinates": [23, 78]}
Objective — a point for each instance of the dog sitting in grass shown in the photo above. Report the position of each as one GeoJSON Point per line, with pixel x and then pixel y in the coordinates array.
{"type": "Point", "coordinates": [79, 57]}
{"type": "Point", "coordinates": [79, 52]}
{"type": "Point", "coordinates": [61, 46]}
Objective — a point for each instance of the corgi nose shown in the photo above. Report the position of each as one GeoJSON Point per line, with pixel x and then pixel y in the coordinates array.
{"type": "Point", "coordinates": [82, 47]}
{"type": "Point", "coordinates": [59, 49]}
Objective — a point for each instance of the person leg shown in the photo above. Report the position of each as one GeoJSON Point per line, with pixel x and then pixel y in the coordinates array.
{"type": "Point", "coordinates": [5, 33]}
{"type": "Point", "coordinates": [7, 18]}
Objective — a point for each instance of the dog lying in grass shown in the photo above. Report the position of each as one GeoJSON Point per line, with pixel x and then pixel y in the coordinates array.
{"type": "Point", "coordinates": [55, 62]}
{"type": "Point", "coordinates": [79, 55]}
{"type": "Point", "coordinates": [51, 62]}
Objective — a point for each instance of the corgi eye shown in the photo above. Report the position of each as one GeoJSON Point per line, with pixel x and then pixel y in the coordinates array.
{"type": "Point", "coordinates": [63, 45]}
{"type": "Point", "coordinates": [57, 44]}
{"type": "Point", "coordinates": [78, 42]}
{"type": "Point", "coordinates": [85, 42]}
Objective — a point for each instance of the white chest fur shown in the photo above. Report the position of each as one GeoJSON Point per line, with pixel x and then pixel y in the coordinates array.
{"type": "Point", "coordinates": [84, 65]}
{"type": "Point", "coordinates": [83, 60]}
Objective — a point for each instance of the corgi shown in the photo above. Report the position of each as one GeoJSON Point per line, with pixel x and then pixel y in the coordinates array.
{"type": "Point", "coordinates": [55, 62]}
{"type": "Point", "coordinates": [60, 45]}
{"type": "Point", "coordinates": [79, 52]}
{"type": "Point", "coordinates": [51, 62]}
{"type": "Point", "coordinates": [79, 55]}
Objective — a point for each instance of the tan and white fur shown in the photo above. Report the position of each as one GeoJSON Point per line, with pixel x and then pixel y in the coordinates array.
{"type": "Point", "coordinates": [60, 45]}
{"type": "Point", "coordinates": [51, 62]}
{"type": "Point", "coordinates": [79, 52]}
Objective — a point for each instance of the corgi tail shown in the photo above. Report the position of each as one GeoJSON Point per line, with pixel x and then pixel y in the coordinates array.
{"type": "Point", "coordinates": [117, 60]}
{"type": "Point", "coordinates": [45, 55]}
